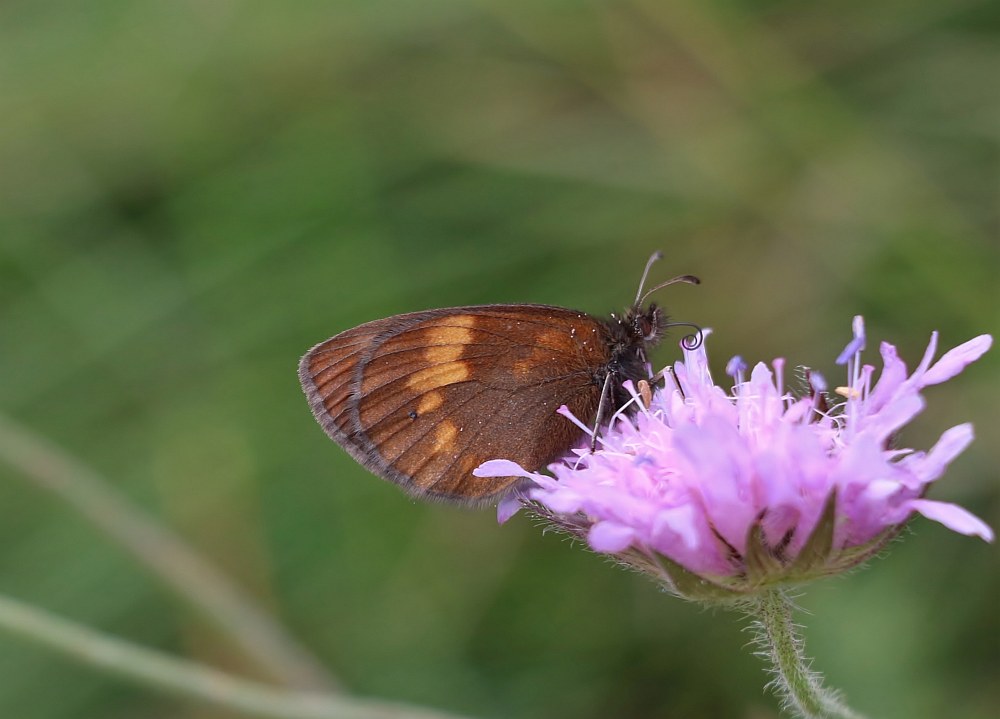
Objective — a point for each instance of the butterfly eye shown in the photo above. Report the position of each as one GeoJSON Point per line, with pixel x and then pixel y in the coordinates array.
{"type": "Point", "coordinates": [645, 328]}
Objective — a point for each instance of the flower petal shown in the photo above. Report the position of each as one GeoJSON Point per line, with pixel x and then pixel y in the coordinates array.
{"type": "Point", "coordinates": [951, 444]}
{"type": "Point", "coordinates": [610, 537]}
{"type": "Point", "coordinates": [680, 521]}
{"type": "Point", "coordinates": [508, 507]}
{"type": "Point", "coordinates": [563, 501]}
{"type": "Point", "coordinates": [896, 414]}
{"type": "Point", "coordinates": [893, 375]}
{"type": "Point", "coordinates": [955, 360]}
{"type": "Point", "coordinates": [929, 353]}
{"type": "Point", "coordinates": [500, 468]}
{"type": "Point", "coordinates": [953, 517]}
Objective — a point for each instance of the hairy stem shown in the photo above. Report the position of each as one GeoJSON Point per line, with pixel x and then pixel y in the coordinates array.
{"type": "Point", "coordinates": [800, 688]}
{"type": "Point", "coordinates": [187, 679]}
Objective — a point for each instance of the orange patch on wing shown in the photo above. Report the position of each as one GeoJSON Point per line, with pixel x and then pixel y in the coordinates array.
{"type": "Point", "coordinates": [430, 402]}
{"type": "Point", "coordinates": [430, 378]}
{"type": "Point", "coordinates": [468, 463]}
{"type": "Point", "coordinates": [435, 354]}
{"type": "Point", "coordinates": [425, 467]}
{"type": "Point", "coordinates": [548, 345]}
{"type": "Point", "coordinates": [444, 437]}
{"type": "Point", "coordinates": [445, 343]}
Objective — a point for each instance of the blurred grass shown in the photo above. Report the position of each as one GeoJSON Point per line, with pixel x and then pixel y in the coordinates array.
{"type": "Point", "coordinates": [191, 194]}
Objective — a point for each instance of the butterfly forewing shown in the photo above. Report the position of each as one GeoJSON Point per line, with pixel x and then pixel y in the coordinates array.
{"type": "Point", "coordinates": [423, 399]}
{"type": "Point", "coordinates": [327, 373]}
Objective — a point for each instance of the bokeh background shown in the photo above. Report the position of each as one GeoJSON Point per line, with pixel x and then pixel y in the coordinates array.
{"type": "Point", "coordinates": [193, 193]}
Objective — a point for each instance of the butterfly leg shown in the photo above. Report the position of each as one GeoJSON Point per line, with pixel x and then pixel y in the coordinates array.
{"type": "Point", "coordinates": [662, 375]}
{"type": "Point", "coordinates": [602, 408]}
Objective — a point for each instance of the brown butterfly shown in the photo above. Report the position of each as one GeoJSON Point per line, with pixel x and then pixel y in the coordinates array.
{"type": "Point", "coordinates": [422, 399]}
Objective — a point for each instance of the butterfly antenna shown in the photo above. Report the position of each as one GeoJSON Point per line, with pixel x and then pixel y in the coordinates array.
{"type": "Point", "coordinates": [691, 341]}
{"type": "Point", "coordinates": [686, 279]}
{"type": "Point", "coordinates": [649, 263]}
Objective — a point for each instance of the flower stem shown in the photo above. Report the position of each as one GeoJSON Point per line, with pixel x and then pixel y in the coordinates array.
{"type": "Point", "coordinates": [190, 680]}
{"type": "Point", "coordinates": [800, 688]}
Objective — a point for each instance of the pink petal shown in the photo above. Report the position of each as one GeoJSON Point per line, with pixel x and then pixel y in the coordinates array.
{"type": "Point", "coordinates": [953, 517]}
{"type": "Point", "coordinates": [558, 500]}
{"type": "Point", "coordinates": [680, 521]}
{"type": "Point", "coordinates": [799, 409]}
{"type": "Point", "coordinates": [896, 414]}
{"type": "Point", "coordinates": [500, 468]}
{"type": "Point", "coordinates": [951, 444]}
{"type": "Point", "coordinates": [954, 361]}
{"type": "Point", "coordinates": [507, 508]}
{"type": "Point", "coordinates": [879, 490]}
{"type": "Point", "coordinates": [610, 537]}
{"type": "Point", "coordinates": [761, 377]}
{"type": "Point", "coordinates": [718, 467]}
{"type": "Point", "coordinates": [893, 375]}
{"type": "Point", "coordinates": [925, 361]}
{"type": "Point", "coordinates": [696, 362]}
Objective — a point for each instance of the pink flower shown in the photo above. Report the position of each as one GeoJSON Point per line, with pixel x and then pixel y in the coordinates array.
{"type": "Point", "coordinates": [722, 491]}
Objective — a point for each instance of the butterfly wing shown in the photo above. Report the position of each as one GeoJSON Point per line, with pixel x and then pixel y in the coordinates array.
{"type": "Point", "coordinates": [423, 399]}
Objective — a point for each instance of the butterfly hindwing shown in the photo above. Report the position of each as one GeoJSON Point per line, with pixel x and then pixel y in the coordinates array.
{"type": "Point", "coordinates": [423, 399]}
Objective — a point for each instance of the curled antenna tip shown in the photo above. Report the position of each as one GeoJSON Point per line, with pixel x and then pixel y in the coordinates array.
{"type": "Point", "coordinates": [691, 341]}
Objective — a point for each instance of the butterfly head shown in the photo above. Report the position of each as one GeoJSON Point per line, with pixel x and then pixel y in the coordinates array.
{"type": "Point", "coordinates": [642, 327]}
{"type": "Point", "coordinates": [646, 326]}
{"type": "Point", "coordinates": [633, 334]}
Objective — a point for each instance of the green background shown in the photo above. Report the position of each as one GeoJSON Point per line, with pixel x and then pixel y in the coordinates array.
{"type": "Point", "coordinates": [192, 193]}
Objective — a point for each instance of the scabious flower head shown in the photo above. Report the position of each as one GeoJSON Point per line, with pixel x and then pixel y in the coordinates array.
{"type": "Point", "coordinates": [720, 492]}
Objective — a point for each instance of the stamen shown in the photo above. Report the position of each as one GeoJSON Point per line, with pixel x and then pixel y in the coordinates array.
{"type": "Point", "coordinates": [848, 392]}
{"type": "Point", "coordinates": [564, 411]}
{"type": "Point", "coordinates": [735, 368]}
{"type": "Point", "coordinates": [856, 345]}
{"type": "Point", "coordinates": [636, 399]}
{"type": "Point", "coordinates": [866, 375]}
{"type": "Point", "coordinates": [851, 356]}
{"type": "Point", "coordinates": [645, 393]}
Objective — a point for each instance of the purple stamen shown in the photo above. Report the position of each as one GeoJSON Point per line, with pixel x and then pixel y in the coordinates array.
{"type": "Point", "coordinates": [735, 366]}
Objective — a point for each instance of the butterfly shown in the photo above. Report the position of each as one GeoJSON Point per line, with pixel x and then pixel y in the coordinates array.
{"type": "Point", "coordinates": [422, 399]}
